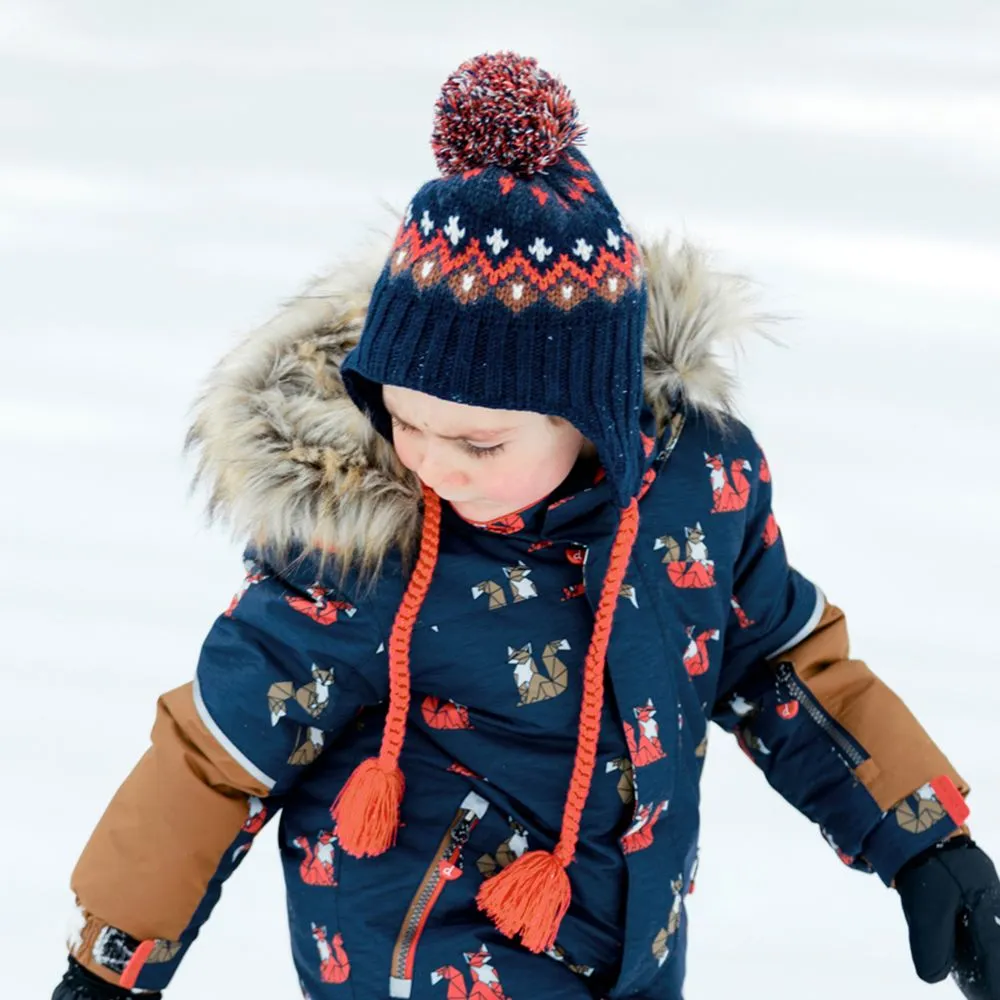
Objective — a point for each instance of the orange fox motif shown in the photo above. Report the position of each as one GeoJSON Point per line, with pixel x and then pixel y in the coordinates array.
{"type": "Point", "coordinates": [319, 607]}
{"type": "Point", "coordinates": [253, 576]}
{"type": "Point", "coordinates": [696, 657]}
{"type": "Point", "coordinates": [532, 684]}
{"type": "Point", "coordinates": [448, 714]}
{"type": "Point", "coordinates": [741, 616]}
{"type": "Point", "coordinates": [317, 866]}
{"type": "Point", "coordinates": [640, 834]}
{"type": "Point", "coordinates": [257, 816]}
{"type": "Point", "coordinates": [457, 988]}
{"type": "Point", "coordinates": [771, 532]}
{"type": "Point", "coordinates": [728, 496]}
{"type": "Point", "coordinates": [334, 965]}
{"type": "Point", "coordinates": [648, 748]}
{"type": "Point", "coordinates": [485, 981]}
{"type": "Point", "coordinates": [695, 570]}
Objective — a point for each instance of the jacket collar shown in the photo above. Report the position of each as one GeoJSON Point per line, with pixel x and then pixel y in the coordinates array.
{"type": "Point", "coordinates": [295, 466]}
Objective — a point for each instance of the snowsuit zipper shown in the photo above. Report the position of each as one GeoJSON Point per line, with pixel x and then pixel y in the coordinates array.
{"type": "Point", "coordinates": [445, 867]}
{"type": "Point", "coordinates": [786, 675]}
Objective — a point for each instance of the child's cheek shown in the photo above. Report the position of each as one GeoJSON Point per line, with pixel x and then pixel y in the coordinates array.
{"type": "Point", "coordinates": [513, 482]}
{"type": "Point", "coordinates": [405, 453]}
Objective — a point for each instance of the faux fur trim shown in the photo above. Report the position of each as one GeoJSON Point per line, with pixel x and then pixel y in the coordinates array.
{"type": "Point", "coordinates": [291, 463]}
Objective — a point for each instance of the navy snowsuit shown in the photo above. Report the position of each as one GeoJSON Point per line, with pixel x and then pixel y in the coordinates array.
{"type": "Point", "coordinates": [712, 624]}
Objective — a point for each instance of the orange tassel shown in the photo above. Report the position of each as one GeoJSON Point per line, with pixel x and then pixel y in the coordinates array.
{"type": "Point", "coordinates": [529, 897]}
{"type": "Point", "coordinates": [367, 809]}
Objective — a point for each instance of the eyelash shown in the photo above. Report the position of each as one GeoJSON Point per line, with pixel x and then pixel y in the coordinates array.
{"type": "Point", "coordinates": [469, 449]}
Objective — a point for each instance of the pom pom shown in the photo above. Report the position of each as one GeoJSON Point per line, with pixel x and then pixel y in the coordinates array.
{"type": "Point", "coordinates": [367, 809]}
{"type": "Point", "coordinates": [529, 897]}
{"type": "Point", "coordinates": [502, 110]}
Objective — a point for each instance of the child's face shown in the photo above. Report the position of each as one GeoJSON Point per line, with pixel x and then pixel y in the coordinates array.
{"type": "Point", "coordinates": [486, 462]}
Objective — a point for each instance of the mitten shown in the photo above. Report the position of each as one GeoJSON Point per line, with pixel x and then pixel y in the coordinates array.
{"type": "Point", "coordinates": [951, 901]}
{"type": "Point", "coordinates": [81, 984]}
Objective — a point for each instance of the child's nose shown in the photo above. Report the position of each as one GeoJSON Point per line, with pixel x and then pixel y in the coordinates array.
{"type": "Point", "coordinates": [437, 470]}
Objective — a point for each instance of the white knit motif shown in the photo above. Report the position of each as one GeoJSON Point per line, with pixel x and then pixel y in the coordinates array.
{"type": "Point", "coordinates": [453, 231]}
{"type": "Point", "coordinates": [539, 250]}
{"type": "Point", "coordinates": [497, 242]}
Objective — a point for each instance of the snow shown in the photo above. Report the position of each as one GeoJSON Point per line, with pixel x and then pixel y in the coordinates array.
{"type": "Point", "coordinates": [168, 175]}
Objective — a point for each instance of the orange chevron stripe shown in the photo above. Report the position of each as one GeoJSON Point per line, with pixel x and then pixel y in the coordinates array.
{"type": "Point", "coordinates": [410, 242]}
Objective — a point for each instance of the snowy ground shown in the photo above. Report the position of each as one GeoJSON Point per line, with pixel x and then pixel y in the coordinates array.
{"type": "Point", "coordinates": [167, 177]}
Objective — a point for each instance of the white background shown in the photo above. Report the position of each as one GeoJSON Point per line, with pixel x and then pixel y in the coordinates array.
{"type": "Point", "coordinates": [168, 175]}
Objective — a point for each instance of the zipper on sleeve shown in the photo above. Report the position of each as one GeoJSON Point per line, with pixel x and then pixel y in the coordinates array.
{"type": "Point", "coordinates": [786, 676]}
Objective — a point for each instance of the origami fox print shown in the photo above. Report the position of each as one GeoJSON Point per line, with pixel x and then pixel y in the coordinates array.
{"type": "Point", "coordinates": [317, 865]}
{"type": "Point", "coordinates": [647, 749]}
{"type": "Point", "coordinates": [728, 496]}
{"type": "Point", "coordinates": [696, 656]}
{"type": "Point", "coordinates": [534, 685]}
{"type": "Point", "coordinates": [334, 965]}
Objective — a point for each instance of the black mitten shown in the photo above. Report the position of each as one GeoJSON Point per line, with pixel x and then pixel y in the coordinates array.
{"type": "Point", "coordinates": [81, 984]}
{"type": "Point", "coordinates": [951, 901]}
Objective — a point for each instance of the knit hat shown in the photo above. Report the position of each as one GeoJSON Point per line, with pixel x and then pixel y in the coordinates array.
{"type": "Point", "coordinates": [512, 284]}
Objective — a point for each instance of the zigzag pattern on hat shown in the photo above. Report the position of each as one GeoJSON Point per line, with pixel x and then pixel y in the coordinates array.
{"type": "Point", "coordinates": [516, 282]}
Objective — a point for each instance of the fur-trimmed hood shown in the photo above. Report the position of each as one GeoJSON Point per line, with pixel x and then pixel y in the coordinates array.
{"type": "Point", "coordinates": [292, 463]}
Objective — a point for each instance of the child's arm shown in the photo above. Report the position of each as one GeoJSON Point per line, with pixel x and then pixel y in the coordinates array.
{"type": "Point", "coordinates": [280, 672]}
{"type": "Point", "coordinates": [830, 736]}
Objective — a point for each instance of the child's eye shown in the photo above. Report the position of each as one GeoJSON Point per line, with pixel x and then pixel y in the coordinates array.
{"type": "Point", "coordinates": [467, 446]}
{"type": "Point", "coordinates": [482, 452]}
{"type": "Point", "coordinates": [398, 425]}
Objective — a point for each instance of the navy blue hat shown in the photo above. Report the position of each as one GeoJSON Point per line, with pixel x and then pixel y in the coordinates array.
{"type": "Point", "coordinates": [513, 282]}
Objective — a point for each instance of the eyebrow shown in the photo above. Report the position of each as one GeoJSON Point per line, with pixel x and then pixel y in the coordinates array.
{"type": "Point", "coordinates": [471, 436]}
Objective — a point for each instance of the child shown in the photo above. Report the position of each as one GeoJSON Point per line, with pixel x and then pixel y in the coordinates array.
{"type": "Point", "coordinates": [510, 554]}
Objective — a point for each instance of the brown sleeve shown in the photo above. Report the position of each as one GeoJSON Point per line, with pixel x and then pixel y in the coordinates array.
{"type": "Point", "coordinates": [148, 863]}
{"type": "Point", "coordinates": [903, 757]}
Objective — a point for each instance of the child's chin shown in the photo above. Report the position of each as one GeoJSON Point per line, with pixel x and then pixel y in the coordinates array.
{"type": "Point", "coordinates": [453, 499]}
{"type": "Point", "coordinates": [473, 510]}
{"type": "Point", "coordinates": [470, 508]}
